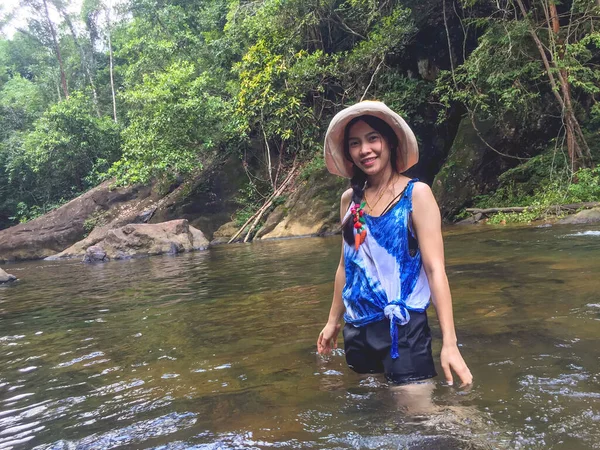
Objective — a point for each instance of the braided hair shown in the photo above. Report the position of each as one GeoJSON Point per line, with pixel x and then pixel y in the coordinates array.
{"type": "Point", "coordinates": [358, 181]}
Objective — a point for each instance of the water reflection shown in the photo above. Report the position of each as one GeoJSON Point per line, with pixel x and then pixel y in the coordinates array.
{"type": "Point", "coordinates": [216, 350]}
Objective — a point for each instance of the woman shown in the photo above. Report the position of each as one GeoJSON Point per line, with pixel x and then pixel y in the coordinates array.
{"type": "Point", "coordinates": [392, 259]}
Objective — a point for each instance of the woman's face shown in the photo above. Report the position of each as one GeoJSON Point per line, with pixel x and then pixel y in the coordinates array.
{"type": "Point", "coordinates": [368, 149]}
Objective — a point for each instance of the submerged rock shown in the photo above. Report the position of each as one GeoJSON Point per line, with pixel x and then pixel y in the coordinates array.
{"type": "Point", "coordinates": [6, 277]}
{"type": "Point", "coordinates": [476, 218]}
{"type": "Point", "coordinates": [95, 253]}
{"type": "Point", "coordinates": [136, 240]}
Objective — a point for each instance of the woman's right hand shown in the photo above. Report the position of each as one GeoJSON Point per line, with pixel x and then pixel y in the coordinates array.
{"type": "Point", "coordinates": [328, 338]}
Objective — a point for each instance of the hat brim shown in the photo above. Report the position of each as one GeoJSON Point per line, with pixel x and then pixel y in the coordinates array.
{"type": "Point", "coordinates": [336, 162]}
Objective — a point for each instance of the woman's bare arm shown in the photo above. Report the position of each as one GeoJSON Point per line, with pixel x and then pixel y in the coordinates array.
{"type": "Point", "coordinates": [428, 226]}
{"type": "Point", "coordinates": [328, 337]}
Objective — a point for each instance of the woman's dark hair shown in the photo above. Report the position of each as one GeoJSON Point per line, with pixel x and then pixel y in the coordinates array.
{"type": "Point", "coordinates": [359, 179]}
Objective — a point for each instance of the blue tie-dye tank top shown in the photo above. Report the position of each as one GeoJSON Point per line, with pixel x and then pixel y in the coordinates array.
{"type": "Point", "coordinates": [383, 279]}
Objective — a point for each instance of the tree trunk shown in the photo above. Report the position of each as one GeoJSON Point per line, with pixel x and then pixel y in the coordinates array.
{"type": "Point", "coordinates": [576, 143]}
{"type": "Point", "coordinates": [110, 59]}
{"type": "Point", "coordinates": [63, 78]}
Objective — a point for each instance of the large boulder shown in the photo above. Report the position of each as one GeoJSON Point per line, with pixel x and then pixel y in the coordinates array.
{"type": "Point", "coordinates": [6, 277]}
{"type": "Point", "coordinates": [57, 230]}
{"type": "Point", "coordinates": [225, 232]}
{"type": "Point", "coordinates": [471, 168]}
{"type": "Point", "coordinates": [136, 240]}
{"type": "Point", "coordinates": [313, 208]}
{"type": "Point", "coordinates": [585, 216]}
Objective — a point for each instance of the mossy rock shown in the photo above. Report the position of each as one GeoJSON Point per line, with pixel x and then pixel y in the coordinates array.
{"type": "Point", "coordinates": [465, 174]}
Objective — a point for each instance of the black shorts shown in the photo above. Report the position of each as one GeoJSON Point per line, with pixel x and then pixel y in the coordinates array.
{"type": "Point", "coordinates": [368, 349]}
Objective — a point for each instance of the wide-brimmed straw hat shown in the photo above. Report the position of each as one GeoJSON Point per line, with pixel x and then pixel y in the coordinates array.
{"type": "Point", "coordinates": [336, 162]}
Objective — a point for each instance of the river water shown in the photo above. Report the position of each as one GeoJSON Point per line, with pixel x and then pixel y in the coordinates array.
{"type": "Point", "coordinates": [216, 350]}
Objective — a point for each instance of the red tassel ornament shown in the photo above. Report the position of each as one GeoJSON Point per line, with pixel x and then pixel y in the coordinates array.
{"type": "Point", "coordinates": [359, 224]}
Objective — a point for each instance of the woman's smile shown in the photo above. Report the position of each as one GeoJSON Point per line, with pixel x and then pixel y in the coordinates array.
{"type": "Point", "coordinates": [368, 162]}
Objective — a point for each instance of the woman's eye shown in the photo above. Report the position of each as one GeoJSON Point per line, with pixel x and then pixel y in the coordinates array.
{"type": "Point", "coordinates": [353, 144]}
{"type": "Point", "coordinates": [373, 138]}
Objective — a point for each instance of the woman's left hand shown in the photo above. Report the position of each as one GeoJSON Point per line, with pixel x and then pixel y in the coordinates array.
{"type": "Point", "coordinates": [452, 360]}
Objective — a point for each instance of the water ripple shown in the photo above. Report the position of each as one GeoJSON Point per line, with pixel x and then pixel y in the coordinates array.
{"type": "Point", "coordinates": [133, 434]}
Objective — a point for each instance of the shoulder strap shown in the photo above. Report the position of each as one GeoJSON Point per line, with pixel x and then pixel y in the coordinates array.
{"type": "Point", "coordinates": [397, 198]}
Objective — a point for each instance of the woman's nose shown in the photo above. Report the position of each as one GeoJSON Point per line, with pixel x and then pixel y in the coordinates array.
{"type": "Point", "coordinates": [364, 148]}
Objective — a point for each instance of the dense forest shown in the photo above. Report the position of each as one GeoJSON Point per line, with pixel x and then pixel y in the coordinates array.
{"type": "Point", "coordinates": [152, 90]}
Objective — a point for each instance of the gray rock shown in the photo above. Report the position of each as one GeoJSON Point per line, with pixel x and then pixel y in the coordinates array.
{"type": "Point", "coordinates": [6, 277]}
{"type": "Point", "coordinates": [585, 216]}
{"type": "Point", "coordinates": [144, 216]}
{"type": "Point", "coordinates": [135, 240]}
{"type": "Point", "coordinates": [95, 253]}
{"type": "Point", "coordinates": [471, 220]}
{"type": "Point", "coordinates": [468, 221]}
{"type": "Point", "coordinates": [219, 241]}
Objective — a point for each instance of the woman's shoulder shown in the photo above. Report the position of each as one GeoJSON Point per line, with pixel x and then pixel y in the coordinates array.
{"type": "Point", "coordinates": [345, 202]}
{"type": "Point", "coordinates": [347, 196]}
{"type": "Point", "coordinates": [420, 188]}
{"type": "Point", "coordinates": [422, 195]}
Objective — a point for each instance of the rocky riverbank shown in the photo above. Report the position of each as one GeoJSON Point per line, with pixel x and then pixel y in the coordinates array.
{"type": "Point", "coordinates": [105, 216]}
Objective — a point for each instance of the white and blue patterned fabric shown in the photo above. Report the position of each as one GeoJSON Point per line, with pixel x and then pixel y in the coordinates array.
{"type": "Point", "coordinates": [382, 278]}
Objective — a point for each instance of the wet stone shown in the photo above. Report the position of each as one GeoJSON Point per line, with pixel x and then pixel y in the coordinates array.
{"type": "Point", "coordinates": [95, 253]}
{"type": "Point", "coordinates": [6, 277]}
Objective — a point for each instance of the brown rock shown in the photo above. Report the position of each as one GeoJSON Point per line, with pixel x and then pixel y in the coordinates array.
{"type": "Point", "coordinates": [208, 200]}
{"type": "Point", "coordinates": [272, 221]}
{"type": "Point", "coordinates": [58, 229]}
{"type": "Point", "coordinates": [471, 168]}
{"type": "Point", "coordinates": [226, 230]}
{"type": "Point", "coordinates": [312, 209]}
{"type": "Point", "coordinates": [136, 240]}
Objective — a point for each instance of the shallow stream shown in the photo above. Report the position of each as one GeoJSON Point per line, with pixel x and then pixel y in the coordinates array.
{"type": "Point", "coordinates": [216, 350]}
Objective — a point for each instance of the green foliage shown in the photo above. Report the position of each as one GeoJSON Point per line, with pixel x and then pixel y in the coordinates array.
{"type": "Point", "coordinates": [388, 36]}
{"type": "Point", "coordinates": [268, 104]}
{"type": "Point", "coordinates": [174, 116]}
{"type": "Point", "coordinates": [407, 96]}
{"type": "Point", "coordinates": [279, 200]}
{"type": "Point", "coordinates": [24, 212]}
{"type": "Point", "coordinates": [500, 77]}
{"type": "Point", "coordinates": [315, 164]}
{"type": "Point", "coordinates": [98, 218]}
{"type": "Point", "coordinates": [249, 200]}
{"type": "Point", "coordinates": [21, 102]}
{"type": "Point", "coordinates": [583, 186]}
{"type": "Point", "coordinates": [61, 156]}
{"type": "Point", "coordinates": [195, 79]}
